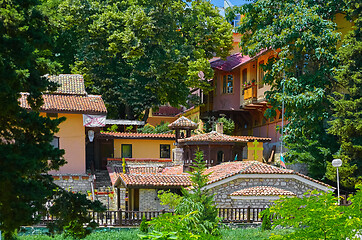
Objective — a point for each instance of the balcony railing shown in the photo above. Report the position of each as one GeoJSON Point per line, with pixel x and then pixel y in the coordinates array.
{"type": "Point", "coordinates": [250, 92]}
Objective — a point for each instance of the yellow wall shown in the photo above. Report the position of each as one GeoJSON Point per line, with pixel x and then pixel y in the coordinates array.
{"type": "Point", "coordinates": [251, 152]}
{"type": "Point", "coordinates": [142, 148]}
{"type": "Point", "coordinates": [343, 25]}
{"type": "Point", "coordinates": [72, 139]}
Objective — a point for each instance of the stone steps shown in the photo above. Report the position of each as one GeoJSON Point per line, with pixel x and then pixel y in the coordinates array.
{"type": "Point", "coordinates": [102, 179]}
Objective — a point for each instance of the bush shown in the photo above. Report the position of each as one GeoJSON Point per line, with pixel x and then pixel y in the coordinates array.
{"type": "Point", "coordinates": [144, 225]}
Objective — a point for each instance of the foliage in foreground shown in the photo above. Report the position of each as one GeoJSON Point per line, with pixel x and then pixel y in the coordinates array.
{"type": "Point", "coordinates": [317, 216]}
{"type": "Point", "coordinates": [131, 234]}
{"type": "Point", "coordinates": [195, 214]}
{"type": "Point", "coordinates": [71, 211]}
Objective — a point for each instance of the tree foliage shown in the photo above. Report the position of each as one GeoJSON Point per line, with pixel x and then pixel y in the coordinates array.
{"type": "Point", "coordinates": [195, 212]}
{"type": "Point", "coordinates": [160, 128]}
{"type": "Point", "coordinates": [71, 213]}
{"type": "Point", "coordinates": [347, 103]}
{"type": "Point", "coordinates": [25, 136]}
{"type": "Point", "coordinates": [317, 216]}
{"type": "Point", "coordinates": [140, 54]}
{"type": "Point", "coordinates": [303, 39]}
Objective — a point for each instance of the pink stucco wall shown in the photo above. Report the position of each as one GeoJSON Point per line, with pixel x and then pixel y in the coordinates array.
{"type": "Point", "coordinates": [72, 139]}
{"type": "Point", "coordinates": [226, 101]}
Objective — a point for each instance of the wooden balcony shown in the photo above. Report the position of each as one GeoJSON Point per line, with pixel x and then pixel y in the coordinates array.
{"type": "Point", "coordinates": [250, 92]}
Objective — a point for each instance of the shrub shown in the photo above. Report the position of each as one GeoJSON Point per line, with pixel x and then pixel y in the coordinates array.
{"type": "Point", "coordinates": [144, 225]}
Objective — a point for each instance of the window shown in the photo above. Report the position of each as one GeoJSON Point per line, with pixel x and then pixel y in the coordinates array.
{"type": "Point", "coordinates": [165, 151]}
{"type": "Point", "coordinates": [227, 84]}
{"type": "Point", "coordinates": [126, 151]}
{"type": "Point", "coordinates": [52, 115]}
{"type": "Point", "coordinates": [261, 75]}
{"type": "Point", "coordinates": [245, 79]}
{"type": "Point", "coordinates": [55, 142]}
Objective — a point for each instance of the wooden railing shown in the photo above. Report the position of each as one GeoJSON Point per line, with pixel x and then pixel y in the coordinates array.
{"type": "Point", "coordinates": [240, 215]}
{"type": "Point", "coordinates": [134, 218]}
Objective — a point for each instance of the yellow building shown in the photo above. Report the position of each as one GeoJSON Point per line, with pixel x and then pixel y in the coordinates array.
{"type": "Point", "coordinates": [140, 147]}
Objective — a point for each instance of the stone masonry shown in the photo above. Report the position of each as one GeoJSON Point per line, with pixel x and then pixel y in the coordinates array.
{"type": "Point", "coordinates": [149, 200]}
{"type": "Point", "coordinates": [222, 192]}
{"type": "Point", "coordinates": [74, 183]}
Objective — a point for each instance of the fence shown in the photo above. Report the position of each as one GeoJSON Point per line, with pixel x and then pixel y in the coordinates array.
{"type": "Point", "coordinates": [134, 218]}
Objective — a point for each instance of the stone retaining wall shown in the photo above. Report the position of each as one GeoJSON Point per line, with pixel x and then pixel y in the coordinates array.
{"type": "Point", "coordinates": [222, 192]}
{"type": "Point", "coordinates": [74, 182]}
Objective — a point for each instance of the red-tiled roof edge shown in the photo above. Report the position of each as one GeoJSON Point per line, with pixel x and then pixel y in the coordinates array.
{"type": "Point", "coordinates": [124, 135]}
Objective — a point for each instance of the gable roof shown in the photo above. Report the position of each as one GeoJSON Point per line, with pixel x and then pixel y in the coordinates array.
{"type": "Point", "coordinates": [127, 135]}
{"type": "Point", "coordinates": [212, 137]}
{"type": "Point", "coordinates": [183, 122]}
{"type": "Point", "coordinates": [91, 104]}
{"type": "Point", "coordinates": [229, 169]}
{"type": "Point", "coordinates": [233, 61]}
{"type": "Point", "coordinates": [263, 191]}
{"type": "Point", "coordinates": [69, 84]}
{"type": "Point", "coordinates": [151, 176]}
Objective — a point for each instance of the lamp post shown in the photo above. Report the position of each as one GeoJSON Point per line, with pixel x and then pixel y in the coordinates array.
{"type": "Point", "coordinates": [337, 163]}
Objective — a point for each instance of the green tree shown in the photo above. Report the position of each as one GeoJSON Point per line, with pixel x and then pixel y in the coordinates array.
{"type": "Point", "coordinates": [160, 128]}
{"type": "Point", "coordinates": [347, 103]}
{"type": "Point", "coordinates": [195, 212]}
{"type": "Point", "coordinates": [317, 216]}
{"type": "Point", "coordinates": [304, 40]}
{"type": "Point", "coordinates": [71, 211]}
{"type": "Point", "coordinates": [25, 136]}
{"type": "Point", "coordinates": [140, 54]}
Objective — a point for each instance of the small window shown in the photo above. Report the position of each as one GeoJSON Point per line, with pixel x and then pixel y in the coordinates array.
{"type": "Point", "coordinates": [55, 142]}
{"type": "Point", "coordinates": [227, 84]}
{"type": "Point", "coordinates": [127, 150]}
{"type": "Point", "coordinates": [165, 151]}
{"type": "Point", "coordinates": [52, 115]}
{"type": "Point", "coordinates": [261, 75]}
{"type": "Point", "coordinates": [245, 79]}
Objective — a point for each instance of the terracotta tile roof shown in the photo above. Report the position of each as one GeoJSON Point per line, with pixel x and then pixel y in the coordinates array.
{"type": "Point", "coordinates": [122, 135]}
{"type": "Point", "coordinates": [69, 84]}
{"type": "Point", "coordinates": [232, 62]}
{"type": "Point", "coordinates": [90, 104]}
{"type": "Point", "coordinates": [183, 122]}
{"type": "Point", "coordinates": [166, 111]}
{"type": "Point", "coordinates": [251, 138]}
{"type": "Point", "coordinates": [228, 169]}
{"type": "Point", "coordinates": [154, 180]}
{"type": "Point", "coordinates": [179, 170]}
{"type": "Point", "coordinates": [174, 170]}
{"type": "Point", "coordinates": [212, 137]}
{"type": "Point", "coordinates": [263, 191]}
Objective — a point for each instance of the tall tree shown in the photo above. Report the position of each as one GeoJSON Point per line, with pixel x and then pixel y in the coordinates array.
{"type": "Point", "coordinates": [303, 38]}
{"type": "Point", "coordinates": [140, 54]}
{"type": "Point", "coordinates": [25, 137]}
{"type": "Point", "coordinates": [347, 104]}
{"type": "Point", "coordinates": [26, 153]}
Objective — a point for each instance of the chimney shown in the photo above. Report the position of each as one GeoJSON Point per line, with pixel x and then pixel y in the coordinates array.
{"type": "Point", "coordinates": [220, 127]}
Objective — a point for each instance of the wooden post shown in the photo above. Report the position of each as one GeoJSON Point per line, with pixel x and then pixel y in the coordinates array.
{"type": "Point", "coordinates": [119, 216]}
{"type": "Point", "coordinates": [248, 215]}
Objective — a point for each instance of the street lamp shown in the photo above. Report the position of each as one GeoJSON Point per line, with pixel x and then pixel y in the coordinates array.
{"type": "Point", "coordinates": [337, 163]}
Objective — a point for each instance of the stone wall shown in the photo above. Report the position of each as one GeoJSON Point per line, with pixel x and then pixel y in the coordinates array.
{"type": "Point", "coordinates": [222, 192]}
{"type": "Point", "coordinates": [74, 182]}
{"type": "Point", "coordinates": [149, 200]}
{"type": "Point", "coordinates": [257, 203]}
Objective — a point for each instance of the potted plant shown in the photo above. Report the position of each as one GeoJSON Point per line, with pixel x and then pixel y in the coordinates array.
{"type": "Point", "coordinates": [253, 82]}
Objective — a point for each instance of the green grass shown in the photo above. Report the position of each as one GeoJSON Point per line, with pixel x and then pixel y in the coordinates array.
{"type": "Point", "coordinates": [250, 233]}
{"type": "Point", "coordinates": [131, 234]}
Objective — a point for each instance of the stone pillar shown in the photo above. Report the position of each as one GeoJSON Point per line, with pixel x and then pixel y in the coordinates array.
{"type": "Point", "coordinates": [220, 127]}
{"type": "Point", "coordinates": [178, 156]}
